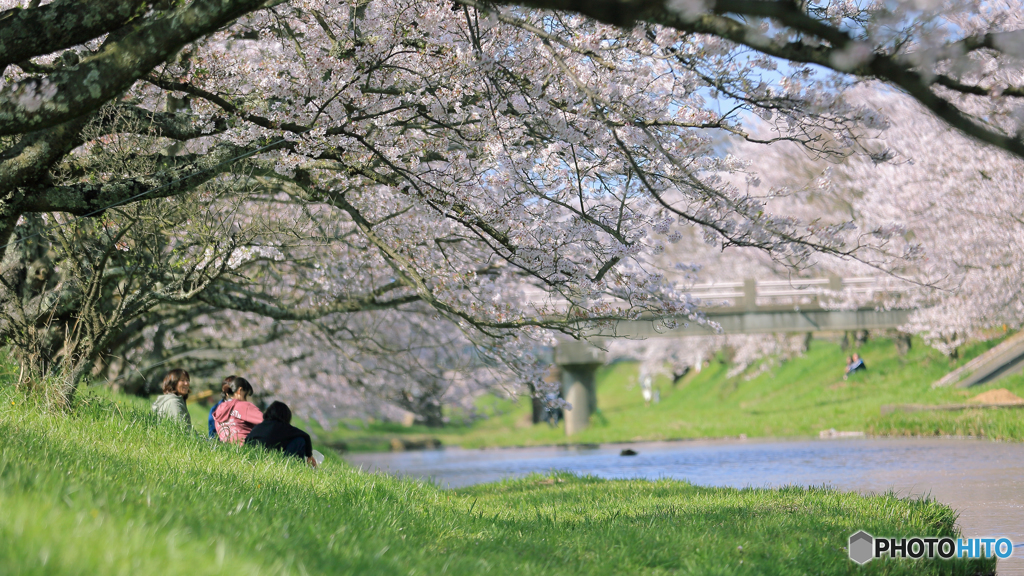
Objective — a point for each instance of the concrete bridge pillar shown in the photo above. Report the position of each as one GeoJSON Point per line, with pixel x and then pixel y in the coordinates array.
{"type": "Point", "coordinates": [578, 362]}
{"type": "Point", "coordinates": [835, 283]}
{"type": "Point", "coordinates": [750, 294]}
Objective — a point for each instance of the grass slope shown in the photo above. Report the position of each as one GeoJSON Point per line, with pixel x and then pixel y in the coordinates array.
{"type": "Point", "coordinates": [799, 397]}
{"type": "Point", "coordinates": [109, 490]}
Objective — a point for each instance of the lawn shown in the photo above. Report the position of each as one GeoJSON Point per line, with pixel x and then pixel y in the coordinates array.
{"type": "Point", "coordinates": [109, 490]}
{"type": "Point", "coordinates": [798, 397]}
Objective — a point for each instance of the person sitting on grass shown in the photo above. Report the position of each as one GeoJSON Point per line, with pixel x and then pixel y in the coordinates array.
{"type": "Point", "coordinates": [172, 403]}
{"type": "Point", "coordinates": [235, 416]}
{"type": "Point", "coordinates": [277, 433]}
{"type": "Point", "coordinates": [856, 363]}
{"type": "Point", "coordinates": [210, 422]}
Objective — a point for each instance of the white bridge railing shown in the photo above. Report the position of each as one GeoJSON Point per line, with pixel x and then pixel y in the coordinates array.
{"type": "Point", "coordinates": [750, 294]}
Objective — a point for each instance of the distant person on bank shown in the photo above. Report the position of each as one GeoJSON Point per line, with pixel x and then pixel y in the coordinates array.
{"type": "Point", "coordinates": [856, 364]}
{"type": "Point", "coordinates": [236, 416]}
{"type": "Point", "coordinates": [171, 404]}
{"type": "Point", "coordinates": [277, 433]}
{"type": "Point", "coordinates": [211, 423]}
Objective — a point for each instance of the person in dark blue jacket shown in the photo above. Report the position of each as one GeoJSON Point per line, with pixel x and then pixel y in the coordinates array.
{"type": "Point", "coordinates": [856, 364]}
{"type": "Point", "coordinates": [277, 433]}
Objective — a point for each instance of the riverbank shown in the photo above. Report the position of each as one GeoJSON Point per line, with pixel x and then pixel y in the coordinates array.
{"type": "Point", "coordinates": [798, 397]}
{"type": "Point", "coordinates": [1002, 425]}
{"type": "Point", "coordinates": [109, 490]}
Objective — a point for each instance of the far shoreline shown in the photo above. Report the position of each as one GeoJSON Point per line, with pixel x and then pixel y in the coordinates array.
{"type": "Point", "coordinates": [719, 439]}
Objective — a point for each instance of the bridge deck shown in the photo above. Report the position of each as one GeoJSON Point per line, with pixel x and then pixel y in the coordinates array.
{"type": "Point", "coordinates": [763, 320]}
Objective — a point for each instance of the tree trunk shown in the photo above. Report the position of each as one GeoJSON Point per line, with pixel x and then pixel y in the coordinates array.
{"type": "Point", "coordinates": [903, 344]}
{"type": "Point", "coordinates": [862, 337]}
{"type": "Point", "coordinates": [432, 416]}
{"type": "Point", "coordinates": [805, 345]}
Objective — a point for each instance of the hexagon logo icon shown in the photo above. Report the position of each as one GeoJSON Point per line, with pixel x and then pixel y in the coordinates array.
{"type": "Point", "coordinates": [862, 547]}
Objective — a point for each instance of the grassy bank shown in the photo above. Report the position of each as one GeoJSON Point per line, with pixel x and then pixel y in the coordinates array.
{"type": "Point", "coordinates": [798, 397]}
{"type": "Point", "coordinates": [993, 424]}
{"type": "Point", "coordinates": [109, 490]}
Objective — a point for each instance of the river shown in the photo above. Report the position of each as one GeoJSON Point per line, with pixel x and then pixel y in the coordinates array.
{"type": "Point", "coordinates": [982, 480]}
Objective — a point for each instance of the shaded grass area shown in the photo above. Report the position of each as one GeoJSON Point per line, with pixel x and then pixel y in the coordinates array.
{"type": "Point", "coordinates": [798, 397]}
{"type": "Point", "coordinates": [110, 490]}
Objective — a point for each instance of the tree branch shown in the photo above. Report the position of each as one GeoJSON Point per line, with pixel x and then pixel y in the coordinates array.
{"type": "Point", "coordinates": [888, 67]}
{"type": "Point", "coordinates": [136, 120]}
{"type": "Point", "coordinates": [72, 92]}
{"type": "Point", "coordinates": [25, 33]}
{"type": "Point", "coordinates": [250, 303]}
{"type": "Point", "coordinates": [182, 176]}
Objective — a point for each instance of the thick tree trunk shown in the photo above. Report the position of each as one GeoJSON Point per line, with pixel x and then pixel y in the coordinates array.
{"type": "Point", "coordinates": [432, 416]}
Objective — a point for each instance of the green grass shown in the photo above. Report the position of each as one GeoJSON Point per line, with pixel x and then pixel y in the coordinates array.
{"type": "Point", "coordinates": [110, 490]}
{"type": "Point", "coordinates": [993, 424]}
{"type": "Point", "coordinates": [199, 414]}
{"type": "Point", "coordinates": [799, 397]}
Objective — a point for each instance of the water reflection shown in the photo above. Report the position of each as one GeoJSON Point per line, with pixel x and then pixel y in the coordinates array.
{"type": "Point", "coordinates": [983, 480]}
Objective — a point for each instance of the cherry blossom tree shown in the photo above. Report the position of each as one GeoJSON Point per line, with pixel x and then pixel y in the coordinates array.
{"type": "Point", "coordinates": [960, 60]}
{"type": "Point", "coordinates": [961, 203]}
{"type": "Point", "coordinates": [502, 172]}
{"type": "Point", "coordinates": [381, 363]}
{"type": "Point", "coordinates": [956, 201]}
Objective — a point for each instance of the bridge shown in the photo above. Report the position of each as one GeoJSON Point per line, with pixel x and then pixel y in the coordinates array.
{"type": "Point", "coordinates": [749, 307]}
{"type": "Point", "coordinates": [778, 306]}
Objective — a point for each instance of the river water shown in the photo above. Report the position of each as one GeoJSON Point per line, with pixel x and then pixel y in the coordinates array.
{"type": "Point", "coordinates": [982, 480]}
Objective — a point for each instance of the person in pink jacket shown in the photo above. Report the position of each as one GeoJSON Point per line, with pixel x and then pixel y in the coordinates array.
{"type": "Point", "coordinates": [235, 416]}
